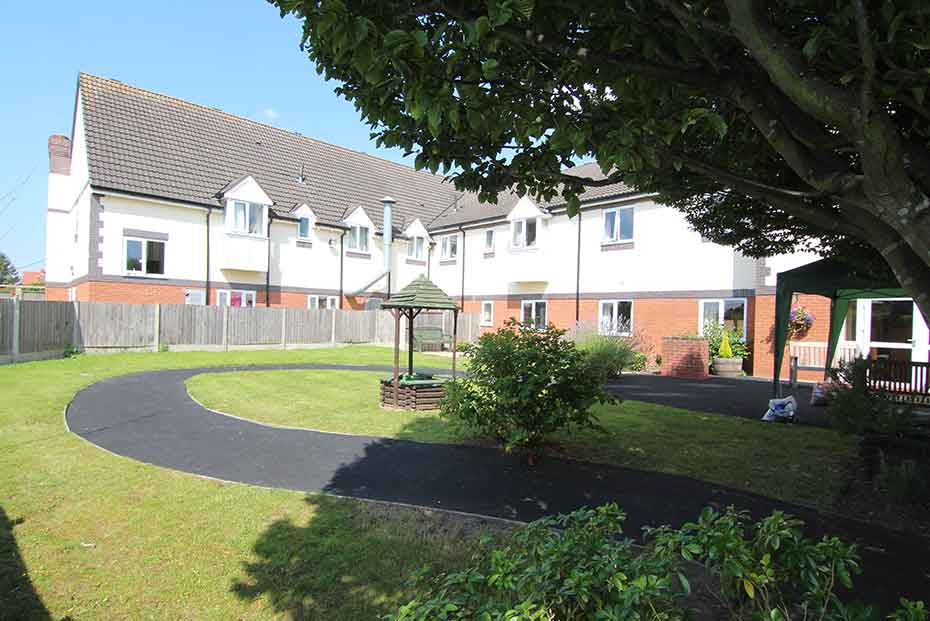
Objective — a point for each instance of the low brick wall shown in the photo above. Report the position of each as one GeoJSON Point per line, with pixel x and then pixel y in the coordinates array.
{"type": "Point", "coordinates": [686, 357]}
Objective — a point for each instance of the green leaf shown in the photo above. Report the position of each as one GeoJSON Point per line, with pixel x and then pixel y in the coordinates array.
{"type": "Point", "coordinates": [482, 27]}
{"type": "Point", "coordinates": [421, 38]}
{"type": "Point", "coordinates": [750, 589]}
{"type": "Point", "coordinates": [524, 8]}
{"type": "Point", "coordinates": [489, 68]}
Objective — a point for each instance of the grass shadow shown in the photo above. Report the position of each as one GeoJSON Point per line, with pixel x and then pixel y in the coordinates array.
{"type": "Point", "coordinates": [351, 560]}
{"type": "Point", "coordinates": [18, 598]}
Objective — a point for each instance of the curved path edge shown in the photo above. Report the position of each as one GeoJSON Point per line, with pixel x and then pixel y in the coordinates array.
{"type": "Point", "coordinates": [150, 417]}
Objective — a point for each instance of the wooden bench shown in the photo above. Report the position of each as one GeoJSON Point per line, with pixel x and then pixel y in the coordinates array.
{"type": "Point", "coordinates": [430, 335]}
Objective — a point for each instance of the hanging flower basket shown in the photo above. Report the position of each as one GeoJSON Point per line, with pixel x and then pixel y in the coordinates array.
{"type": "Point", "coordinates": [800, 321]}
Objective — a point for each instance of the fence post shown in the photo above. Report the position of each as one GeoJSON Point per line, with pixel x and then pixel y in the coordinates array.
{"type": "Point", "coordinates": [284, 328]}
{"type": "Point", "coordinates": [156, 337]}
{"type": "Point", "coordinates": [14, 353]}
{"type": "Point", "coordinates": [225, 328]}
{"type": "Point", "coordinates": [333, 339]}
{"type": "Point", "coordinates": [76, 327]}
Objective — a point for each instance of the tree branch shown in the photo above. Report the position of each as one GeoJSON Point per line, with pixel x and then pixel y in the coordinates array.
{"type": "Point", "coordinates": [864, 36]}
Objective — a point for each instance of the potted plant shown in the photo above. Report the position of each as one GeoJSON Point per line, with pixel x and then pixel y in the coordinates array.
{"type": "Point", "coordinates": [800, 321]}
{"type": "Point", "coordinates": [726, 364]}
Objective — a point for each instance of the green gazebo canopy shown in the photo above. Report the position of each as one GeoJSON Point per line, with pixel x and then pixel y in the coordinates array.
{"type": "Point", "coordinates": [832, 279]}
{"type": "Point", "coordinates": [421, 293]}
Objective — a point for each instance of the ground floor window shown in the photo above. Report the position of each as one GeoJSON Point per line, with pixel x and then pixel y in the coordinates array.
{"type": "Point", "coordinates": [616, 317]}
{"type": "Point", "coordinates": [487, 313]}
{"type": "Point", "coordinates": [327, 302]}
{"type": "Point", "coordinates": [727, 312]}
{"type": "Point", "coordinates": [235, 297]}
{"type": "Point", "coordinates": [534, 312]}
{"type": "Point", "coordinates": [195, 297]}
{"type": "Point", "coordinates": [144, 256]}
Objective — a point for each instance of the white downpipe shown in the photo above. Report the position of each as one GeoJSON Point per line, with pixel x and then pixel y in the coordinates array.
{"type": "Point", "coordinates": [388, 226]}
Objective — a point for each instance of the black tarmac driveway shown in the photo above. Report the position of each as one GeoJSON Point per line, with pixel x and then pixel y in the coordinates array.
{"type": "Point", "coordinates": [151, 418]}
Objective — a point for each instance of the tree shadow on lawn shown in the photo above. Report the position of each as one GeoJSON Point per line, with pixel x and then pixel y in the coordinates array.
{"type": "Point", "coordinates": [18, 598]}
{"type": "Point", "coordinates": [351, 560]}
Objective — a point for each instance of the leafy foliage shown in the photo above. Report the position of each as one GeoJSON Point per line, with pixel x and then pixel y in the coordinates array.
{"type": "Point", "coordinates": [725, 350]}
{"type": "Point", "coordinates": [523, 384]}
{"type": "Point", "coordinates": [905, 482]}
{"type": "Point", "coordinates": [713, 334]}
{"type": "Point", "coordinates": [856, 408]}
{"type": "Point", "coordinates": [8, 273]}
{"type": "Point", "coordinates": [578, 567]}
{"type": "Point", "coordinates": [609, 354]}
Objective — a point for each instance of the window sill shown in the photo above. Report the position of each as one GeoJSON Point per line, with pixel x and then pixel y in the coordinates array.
{"type": "Point", "coordinates": [304, 243]}
{"type": "Point", "coordinates": [242, 235]}
{"type": "Point", "coordinates": [625, 244]}
{"type": "Point", "coordinates": [143, 275]}
{"type": "Point", "coordinates": [448, 261]}
{"type": "Point", "coordinates": [524, 248]}
{"type": "Point", "coordinates": [357, 254]}
{"type": "Point", "coordinates": [415, 261]}
{"type": "Point", "coordinates": [489, 254]}
{"type": "Point", "coordinates": [486, 325]}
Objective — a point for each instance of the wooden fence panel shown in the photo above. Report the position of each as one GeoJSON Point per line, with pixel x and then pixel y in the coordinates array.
{"type": "Point", "coordinates": [189, 324]}
{"type": "Point", "coordinates": [45, 326]}
{"type": "Point", "coordinates": [305, 326]}
{"type": "Point", "coordinates": [109, 325]}
{"type": "Point", "coordinates": [357, 326]}
{"type": "Point", "coordinates": [254, 326]}
{"type": "Point", "coordinates": [6, 326]}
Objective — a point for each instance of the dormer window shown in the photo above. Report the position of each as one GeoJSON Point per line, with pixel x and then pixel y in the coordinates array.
{"type": "Point", "coordinates": [303, 228]}
{"type": "Point", "coordinates": [416, 248]}
{"type": "Point", "coordinates": [247, 217]}
{"type": "Point", "coordinates": [523, 233]}
{"type": "Point", "coordinates": [357, 238]}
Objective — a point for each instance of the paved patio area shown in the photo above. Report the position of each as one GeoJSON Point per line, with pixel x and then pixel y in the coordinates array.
{"type": "Point", "coordinates": [746, 398]}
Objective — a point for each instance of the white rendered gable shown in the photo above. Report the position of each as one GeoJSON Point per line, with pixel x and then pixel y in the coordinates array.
{"type": "Point", "coordinates": [416, 229]}
{"type": "Point", "coordinates": [360, 218]}
{"type": "Point", "coordinates": [525, 209]}
{"type": "Point", "coordinates": [248, 190]}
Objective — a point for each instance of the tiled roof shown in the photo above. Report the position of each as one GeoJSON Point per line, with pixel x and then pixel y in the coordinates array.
{"type": "Point", "coordinates": [469, 209]}
{"type": "Point", "coordinates": [421, 293]}
{"type": "Point", "coordinates": [146, 143]}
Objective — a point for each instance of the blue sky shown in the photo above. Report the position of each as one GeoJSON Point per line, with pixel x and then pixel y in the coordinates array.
{"type": "Point", "coordinates": [237, 55]}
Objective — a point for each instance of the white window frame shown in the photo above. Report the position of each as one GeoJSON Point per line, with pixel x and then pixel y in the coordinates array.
{"type": "Point", "coordinates": [533, 304]}
{"type": "Point", "coordinates": [518, 240]}
{"type": "Point", "coordinates": [489, 239]}
{"type": "Point", "coordinates": [330, 302]}
{"type": "Point", "coordinates": [413, 252]}
{"type": "Point", "coordinates": [614, 318]}
{"type": "Point", "coordinates": [720, 312]}
{"type": "Point", "coordinates": [192, 294]}
{"type": "Point", "coordinates": [145, 256]}
{"type": "Point", "coordinates": [358, 242]}
{"type": "Point", "coordinates": [300, 222]}
{"type": "Point", "coordinates": [615, 236]}
{"type": "Point", "coordinates": [448, 243]}
{"type": "Point", "coordinates": [247, 207]}
{"type": "Point", "coordinates": [226, 294]}
{"type": "Point", "coordinates": [487, 304]}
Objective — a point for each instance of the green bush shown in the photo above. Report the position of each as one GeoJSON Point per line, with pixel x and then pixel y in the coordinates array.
{"type": "Point", "coordinates": [905, 482]}
{"type": "Point", "coordinates": [523, 384]}
{"type": "Point", "coordinates": [640, 360]}
{"type": "Point", "coordinates": [713, 334]}
{"type": "Point", "coordinates": [725, 350]}
{"type": "Point", "coordinates": [856, 409]}
{"type": "Point", "coordinates": [578, 567]}
{"type": "Point", "coordinates": [567, 568]}
{"type": "Point", "coordinates": [609, 354]}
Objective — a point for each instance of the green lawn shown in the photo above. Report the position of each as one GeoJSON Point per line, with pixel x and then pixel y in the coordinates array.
{"type": "Point", "coordinates": [794, 463]}
{"type": "Point", "coordinates": [88, 535]}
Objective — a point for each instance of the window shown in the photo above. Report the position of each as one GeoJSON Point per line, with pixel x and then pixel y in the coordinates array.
{"type": "Point", "coordinates": [247, 218]}
{"type": "Point", "coordinates": [235, 297]}
{"type": "Point", "coordinates": [534, 312]}
{"type": "Point", "coordinates": [616, 318]}
{"type": "Point", "coordinates": [326, 302]}
{"type": "Point", "coordinates": [145, 256]}
{"type": "Point", "coordinates": [730, 313]}
{"type": "Point", "coordinates": [415, 247]}
{"type": "Point", "coordinates": [487, 313]}
{"type": "Point", "coordinates": [618, 224]}
{"type": "Point", "coordinates": [195, 297]}
{"type": "Point", "coordinates": [303, 228]}
{"type": "Point", "coordinates": [524, 233]}
{"type": "Point", "coordinates": [489, 240]}
{"type": "Point", "coordinates": [357, 238]}
{"type": "Point", "coordinates": [450, 247]}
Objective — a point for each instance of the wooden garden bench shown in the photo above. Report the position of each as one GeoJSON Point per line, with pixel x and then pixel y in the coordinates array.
{"type": "Point", "coordinates": [430, 335]}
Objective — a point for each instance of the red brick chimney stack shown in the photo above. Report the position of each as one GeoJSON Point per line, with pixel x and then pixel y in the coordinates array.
{"type": "Point", "coordinates": [59, 154]}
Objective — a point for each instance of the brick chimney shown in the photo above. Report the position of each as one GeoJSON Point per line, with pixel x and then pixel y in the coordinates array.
{"type": "Point", "coordinates": [59, 154]}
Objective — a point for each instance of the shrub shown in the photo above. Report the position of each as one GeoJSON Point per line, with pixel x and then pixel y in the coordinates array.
{"type": "Point", "coordinates": [905, 482]}
{"type": "Point", "coordinates": [578, 567]}
{"type": "Point", "coordinates": [725, 350]}
{"type": "Point", "coordinates": [640, 360]}
{"type": "Point", "coordinates": [570, 567]}
{"type": "Point", "coordinates": [609, 354]}
{"type": "Point", "coordinates": [855, 408]}
{"type": "Point", "coordinates": [523, 384]}
{"type": "Point", "coordinates": [713, 334]}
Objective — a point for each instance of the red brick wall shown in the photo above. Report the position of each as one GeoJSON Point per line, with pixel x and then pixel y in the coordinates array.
{"type": "Point", "coordinates": [685, 357]}
{"type": "Point", "coordinates": [764, 334]}
{"type": "Point", "coordinates": [133, 293]}
{"type": "Point", "coordinates": [56, 294]}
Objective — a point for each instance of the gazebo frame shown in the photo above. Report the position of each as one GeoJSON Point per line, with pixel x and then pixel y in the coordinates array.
{"type": "Point", "coordinates": [419, 295]}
